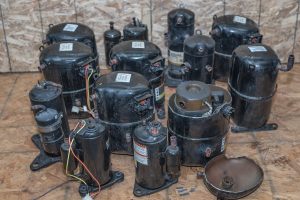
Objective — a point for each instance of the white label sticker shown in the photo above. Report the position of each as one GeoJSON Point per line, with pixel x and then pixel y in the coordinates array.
{"type": "Point", "coordinates": [223, 144]}
{"type": "Point", "coordinates": [257, 48]}
{"type": "Point", "coordinates": [122, 77]}
{"type": "Point", "coordinates": [66, 47]}
{"type": "Point", "coordinates": [140, 153]}
{"type": "Point", "coordinates": [70, 27]}
{"type": "Point", "coordinates": [175, 57]}
{"type": "Point", "coordinates": [107, 144]}
{"type": "Point", "coordinates": [138, 45]}
{"type": "Point", "coordinates": [159, 92]}
{"type": "Point", "coordinates": [240, 19]}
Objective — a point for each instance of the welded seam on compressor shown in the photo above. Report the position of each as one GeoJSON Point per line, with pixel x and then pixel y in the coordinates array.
{"type": "Point", "coordinates": [296, 27]}
{"type": "Point", "coordinates": [5, 38]}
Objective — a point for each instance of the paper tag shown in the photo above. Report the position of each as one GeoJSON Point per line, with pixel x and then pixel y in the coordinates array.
{"type": "Point", "coordinates": [257, 48]}
{"type": "Point", "coordinates": [70, 27]}
{"type": "Point", "coordinates": [140, 153]}
{"type": "Point", "coordinates": [138, 45]}
{"type": "Point", "coordinates": [223, 144]}
{"type": "Point", "coordinates": [122, 77]}
{"type": "Point", "coordinates": [159, 92]}
{"type": "Point", "coordinates": [175, 57]}
{"type": "Point", "coordinates": [240, 19]}
{"type": "Point", "coordinates": [66, 47]}
{"type": "Point", "coordinates": [75, 109]}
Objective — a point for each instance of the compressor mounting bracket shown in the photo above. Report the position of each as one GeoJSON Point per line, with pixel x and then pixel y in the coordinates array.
{"type": "Point", "coordinates": [139, 191]}
{"type": "Point", "coordinates": [43, 159]}
{"type": "Point", "coordinates": [266, 127]}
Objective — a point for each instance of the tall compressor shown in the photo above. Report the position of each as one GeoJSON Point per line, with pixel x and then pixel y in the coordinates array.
{"type": "Point", "coordinates": [145, 58]}
{"type": "Point", "coordinates": [71, 65]}
{"type": "Point", "coordinates": [89, 147]}
{"type": "Point", "coordinates": [230, 31]}
{"type": "Point", "coordinates": [111, 37]}
{"type": "Point", "coordinates": [180, 26]}
{"type": "Point", "coordinates": [123, 100]}
{"type": "Point", "coordinates": [252, 83]}
{"type": "Point", "coordinates": [199, 118]}
{"type": "Point", "coordinates": [70, 32]}
{"type": "Point", "coordinates": [198, 58]}
{"type": "Point", "coordinates": [157, 165]}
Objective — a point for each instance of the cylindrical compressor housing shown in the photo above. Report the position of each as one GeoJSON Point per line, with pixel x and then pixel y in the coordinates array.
{"type": "Point", "coordinates": [180, 26]}
{"type": "Point", "coordinates": [94, 148]}
{"type": "Point", "coordinates": [71, 32]}
{"type": "Point", "coordinates": [111, 37]}
{"type": "Point", "coordinates": [135, 30]}
{"type": "Point", "coordinates": [123, 100]}
{"type": "Point", "coordinates": [199, 118]}
{"type": "Point", "coordinates": [150, 142]}
{"type": "Point", "coordinates": [230, 31]}
{"type": "Point", "coordinates": [70, 65]}
{"type": "Point", "coordinates": [199, 58]}
{"type": "Point", "coordinates": [49, 126]}
{"type": "Point", "coordinates": [145, 58]}
{"type": "Point", "coordinates": [49, 94]}
{"type": "Point", "coordinates": [252, 83]}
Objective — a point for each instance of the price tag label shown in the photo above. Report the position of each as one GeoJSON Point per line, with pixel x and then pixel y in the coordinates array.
{"type": "Point", "coordinates": [138, 45]}
{"type": "Point", "coordinates": [257, 49]}
{"type": "Point", "coordinates": [240, 19]}
{"type": "Point", "coordinates": [70, 27]}
{"type": "Point", "coordinates": [66, 47]}
{"type": "Point", "coordinates": [123, 77]}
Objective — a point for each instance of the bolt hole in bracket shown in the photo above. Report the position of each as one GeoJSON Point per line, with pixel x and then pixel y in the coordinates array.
{"type": "Point", "coordinates": [43, 159]}
{"type": "Point", "coordinates": [139, 191]}
{"type": "Point", "coordinates": [116, 178]}
{"type": "Point", "coordinates": [266, 127]}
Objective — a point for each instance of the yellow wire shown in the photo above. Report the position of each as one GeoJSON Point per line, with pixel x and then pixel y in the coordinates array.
{"type": "Point", "coordinates": [88, 91]}
{"type": "Point", "coordinates": [67, 165]}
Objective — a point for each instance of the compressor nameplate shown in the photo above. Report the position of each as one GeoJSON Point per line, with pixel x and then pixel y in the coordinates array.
{"type": "Point", "coordinates": [70, 27]}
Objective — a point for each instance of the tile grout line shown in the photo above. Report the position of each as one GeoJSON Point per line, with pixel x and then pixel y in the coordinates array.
{"type": "Point", "coordinates": [5, 38]}
{"type": "Point", "coordinates": [151, 20]}
{"type": "Point", "coordinates": [41, 19]}
{"type": "Point", "coordinates": [224, 7]}
{"type": "Point", "coordinates": [259, 14]}
{"type": "Point", "coordinates": [75, 10]}
{"type": "Point", "coordinates": [296, 27]}
{"type": "Point", "coordinates": [9, 95]}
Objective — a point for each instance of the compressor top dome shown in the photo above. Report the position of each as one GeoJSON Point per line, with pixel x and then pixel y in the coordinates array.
{"type": "Point", "coordinates": [199, 45]}
{"type": "Point", "coordinates": [45, 91]}
{"type": "Point", "coordinates": [181, 17]}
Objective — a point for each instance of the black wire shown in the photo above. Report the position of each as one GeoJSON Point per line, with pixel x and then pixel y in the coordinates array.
{"type": "Point", "coordinates": [54, 188]}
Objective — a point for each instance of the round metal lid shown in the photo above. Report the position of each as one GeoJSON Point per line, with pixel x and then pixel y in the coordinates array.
{"type": "Point", "coordinates": [232, 178]}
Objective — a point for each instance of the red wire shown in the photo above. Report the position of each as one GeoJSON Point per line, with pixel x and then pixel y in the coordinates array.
{"type": "Point", "coordinates": [85, 167]}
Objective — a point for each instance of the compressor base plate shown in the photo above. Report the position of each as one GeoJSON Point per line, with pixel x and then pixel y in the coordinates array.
{"type": "Point", "coordinates": [139, 191]}
{"type": "Point", "coordinates": [266, 127]}
{"type": "Point", "coordinates": [43, 159]}
{"type": "Point", "coordinates": [116, 177]}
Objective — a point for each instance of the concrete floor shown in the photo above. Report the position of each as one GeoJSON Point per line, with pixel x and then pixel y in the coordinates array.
{"type": "Point", "coordinates": [277, 151]}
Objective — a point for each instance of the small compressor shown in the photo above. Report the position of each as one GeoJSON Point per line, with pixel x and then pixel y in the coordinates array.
{"type": "Point", "coordinates": [70, 32]}
{"type": "Point", "coordinates": [50, 137]}
{"type": "Point", "coordinates": [145, 58]}
{"type": "Point", "coordinates": [71, 65]}
{"type": "Point", "coordinates": [252, 83]}
{"type": "Point", "coordinates": [135, 30]}
{"type": "Point", "coordinates": [180, 26]}
{"type": "Point", "coordinates": [50, 95]}
{"type": "Point", "coordinates": [199, 116]}
{"type": "Point", "coordinates": [157, 166]}
{"type": "Point", "coordinates": [112, 37]}
{"type": "Point", "coordinates": [123, 100]}
{"type": "Point", "coordinates": [230, 31]}
{"type": "Point", "coordinates": [89, 147]}
{"type": "Point", "coordinates": [198, 58]}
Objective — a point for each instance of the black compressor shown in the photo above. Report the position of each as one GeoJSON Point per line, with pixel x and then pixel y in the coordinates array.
{"type": "Point", "coordinates": [181, 25]}
{"type": "Point", "coordinates": [50, 137]}
{"type": "Point", "coordinates": [71, 32]}
{"type": "Point", "coordinates": [111, 37]}
{"type": "Point", "coordinates": [145, 58]}
{"type": "Point", "coordinates": [199, 116]}
{"type": "Point", "coordinates": [230, 31]}
{"type": "Point", "coordinates": [252, 83]}
{"type": "Point", "coordinates": [88, 148]}
{"type": "Point", "coordinates": [157, 165]}
{"type": "Point", "coordinates": [123, 100]}
{"type": "Point", "coordinates": [135, 30]}
{"type": "Point", "coordinates": [71, 65]}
